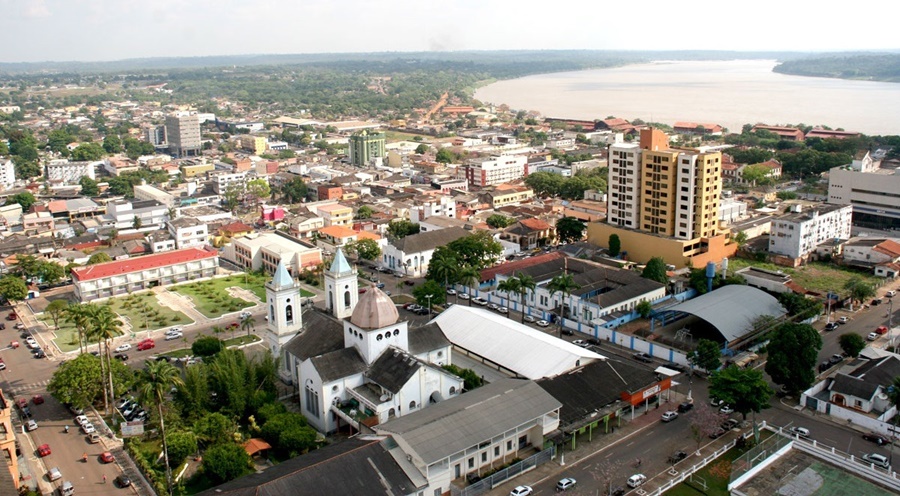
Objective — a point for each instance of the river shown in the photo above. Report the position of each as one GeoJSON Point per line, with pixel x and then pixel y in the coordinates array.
{"type": "Point", "coordinates": [728, 93]}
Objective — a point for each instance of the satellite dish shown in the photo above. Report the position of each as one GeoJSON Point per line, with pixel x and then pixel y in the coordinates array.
{"type": "Point", "coordinates": [384, 397]}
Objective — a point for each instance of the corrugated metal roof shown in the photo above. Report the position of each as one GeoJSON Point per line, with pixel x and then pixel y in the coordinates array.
{"type": "Point", "coordinates": [526, 351]}
{"type": "Point", "coordinates": [732, 309]}
{"type": "Point", "coordinates": [452, 426]}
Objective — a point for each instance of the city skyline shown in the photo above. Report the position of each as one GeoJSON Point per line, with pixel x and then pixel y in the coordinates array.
{"type": "Point", "coordinates": [104, 30]}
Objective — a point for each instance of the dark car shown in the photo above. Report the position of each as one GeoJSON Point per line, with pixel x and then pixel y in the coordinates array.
{"type": "Point", "coordinates": [619, 491]}
{"type": "Point", "coordinates": [684, 407]}
{"type": "Point", "coordinates": [715, 434]}
{"type": "Point", "coordinates": [568, 332]}
{"type": "Point", "coordinates": [677, 457]}
{"type": "Point", "coordinates": [594, 341]}
{"type": "Point", "coordinates": [121, 356]}
{"type": "Point", "coordinates": [122, 481]}
{"type": "Point", "coordinates": [39, 353]}
{"type": "Point", "coordinates": [824, 366]}
{"type": "Point", "coordinates": [876, 301]}
{"type": "Point", "coordinates": [2, 326]}
{"type": "Point", "coordinates": [836, 359]}
{"type": "Point", "coordinates": [875, 438]}
{"type": "Point", "coordinates": [643, 357]}
{"type": "Point", "coordinates": [831, 326]}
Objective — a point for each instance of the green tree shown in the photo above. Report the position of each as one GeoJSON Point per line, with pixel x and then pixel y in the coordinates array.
{"type": "Point", "coordinates": [859, 289]}
{"type": "Point", "coordinates": [99, 257]}
{"type": "Point", "coordinates": [366, 249]}
{"type": "Point", "coordinates": [206, 346]}
{"type": "Point", "coordinates": [56, 309]}
{"type": "Point", "coordinates": [799, 306]}
{"type": "Point", "coordinates": [741, 239]}
{"type": "Point", "coordinates": [471, 379]}
{"type": "Point", "coordinates": [25, 199]}
{"type": "Point", "coordinates": [28, 266]}
{"type": "Point", "coordinates": [527, 284]}
{"type": "Point", "coordinates": [294, 190]}
{"type": "Point", "coordinates": [286, 154]}
{"type": "Point", "coordinates": [231, 197]}
{"type": "Point", "coordinates": [852, 343]}
{"type": "Point", "coordinates": [479, 250]}
{"type": "Point", "coordinates": [88, 186]}
{"type": "Point", "coordinates": [471, 278]}
{"type": "Point", "coordinates": [224, 462]}
{"type": "Point", "coordinates": [444, 156]}
{"type": "Point", "coordinates": [757, 174]}
{"type": "Point", "coordinates": [498, 221]}
{"type": "Point", "coordinates": [615, 245]}
{"type": "Point", "coordinates": [13, 289]}
{"type": "Point", "coordinates": [181, 445]}
{"type": "Point", "coordinates": [429, 291]}
{"type": "Point", "coordinates": [402, 228]}
{"type": "Point", "coordinates": [112, 144]}
{"type": "Point", "coordinates": [247, 324]}
{"type": "Point", "coordinates": [570, 229]}
{"type": "Point", "coordinates": [746, 390]}
{"type": "Point", "coordinates": [644, 308]}
{"type": "Point", "coordinates": [78, 382]}
{"type": "Point", "coordinates": [258, 189]}
{"type": "Point", "coordinates": [214, 428]}
{"type": "Point", "coordinates": [707, 355]}
{"type": "Point", "coordinates": [422, 148]}
{"type": "Point", "coordinates": [510, 286]}
{"type": "Point", "coordinates": [157, 379]}
{"type": "Point", "coordinates": [793, 354]}
{"type": "Point", "coordinates": [88, 152]}
{"type": "Point", "coordinates": [564, 284]}
{"type": "Point", "coordinates": [364, 212]}
{"type": "Point", "coordinates": [443, 266]}
{"type": "Point", "coordinates": [655, 270]}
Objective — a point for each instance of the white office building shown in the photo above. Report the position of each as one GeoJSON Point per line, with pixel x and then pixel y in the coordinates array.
{"type": "Point", "coordinates": [624, 186]}
{"type": "Point", "coordinates": [66, 172]}
{"type": "Point", "coordinates": [491, 171]}
{"type": "Point", "coordinates": [796, 234]}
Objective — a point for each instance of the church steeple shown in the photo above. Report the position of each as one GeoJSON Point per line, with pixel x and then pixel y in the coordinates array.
{"type": "Point", "coordinates": [341, 286]}
{"type": "Point", "coordinates": [284, 310]}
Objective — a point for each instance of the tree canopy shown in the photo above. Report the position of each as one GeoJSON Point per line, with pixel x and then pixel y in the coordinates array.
{"type": "Point", "coordinates": [745, 389]}
{"type": "Point", "coordinates": [851, 343]}
{"type": "Point", "coordinates": [570, 229]}
{"type": "Point", "coordinates": [707, 355]}
{"type": "Point", "coordinates": [13, 288]}
{"type": "Point", "coordinates": [498, 221]}
{"type": "Point", "coordinates": [402, 228]}
{"type": "Point", "coordinates": [655, 270]}
{"type": "Point", "coordinates": [793, 353]}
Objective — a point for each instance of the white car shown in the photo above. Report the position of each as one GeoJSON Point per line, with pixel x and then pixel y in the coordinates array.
{"type": "Point", "coordinates": [81, 420]}
{"type": "Point", "coordinates": [463, 296]}
{"type": "Point", "coordinates": [636, 480]}
{"type": "Point", "coordinates": [88, 428]}
{"type": "Point", "coordinates": [800, 431]}
{"type": "Point", "coordinates": [451, 291]}
{"type": "Point", "coordinates": [669, 416]}
{"type": "Point", "coordinates": [872, 336]}
{"type": "Point", "coordinates": [542, 323]}
{"type": "Point", "coordinates": [54, 474]}
{"type": "Point", "coordinates": [503, 310]}
{"type": "Point", "coordinates": [31, 343]}
{"type": "Point", "coordinates": [175, 329]}
{"type": "Point", "coordinates": [174, 335]}
{"type": "Point", "coordinates": [123, 347]}
{"type": "Point", "coordinates": [521, 491]}
{"type": "Point", "coordinates": [726, 409]}
{"type": "Point", "coordinates": [31, 425]}
{"type": "Point", "coordinates": [844, 319]}
{"type": "Point", "coordinates": [244, 315]}
{"type": "Point", "coordinates": [529, 318]}
{"type": "Point", "coordinates": [890, 294]}
{"type": "Point", "coordinates": [581, 343]}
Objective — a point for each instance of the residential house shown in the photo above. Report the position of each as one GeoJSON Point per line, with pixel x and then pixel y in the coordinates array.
{"type": "Point", "coordinates": [411, 254]}
{"type": "Point", "coordinates": [188, 232]}
{"type": "Point", "coordinates": [335, 214]}
{"type": "Point", "coordinates": [530, 233]}
{"type": "Point", "coordinates": [330, 238]}
{"type": "Point", "coordinates": [305, 226]}
{"type": "Point", "coordinates": [878, 254]}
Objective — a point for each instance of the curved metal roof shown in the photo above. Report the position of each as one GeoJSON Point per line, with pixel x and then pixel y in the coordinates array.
{"type": "Point", "coordinates": [732, 309]}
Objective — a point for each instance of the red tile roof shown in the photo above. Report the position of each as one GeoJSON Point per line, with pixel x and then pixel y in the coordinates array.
{"type": "Point", "coordinates": [119, 267]}
{"type": "Point", "coordinates": [889, 247]}
{"type": "Point", "coordinates": [510, 267]}
{"type": "Point", "coordinates": [535, 224]}
{"type": "Point", "coordinates": [235, 227]}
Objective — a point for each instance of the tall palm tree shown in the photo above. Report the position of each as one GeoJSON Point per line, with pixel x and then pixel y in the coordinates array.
{"type": "Point", "coordinates": [247, 324]}
{"type": "Point", "coordinates": [470, 277]}
{"type": "Point", "coordinates": [526, 284]}
{"type": "Point", "coordinates": [509, 286]}
{"type": "Point", "coordinates": [444, 265]}
{"type": "Point", "coordinates": [76, 315]}
{"type": "Point", "coordinates": [563, 283]}
{"type": "Point", "coordinates": [106, 326]}
{"type": "Point", "coordinates": [157, 379]}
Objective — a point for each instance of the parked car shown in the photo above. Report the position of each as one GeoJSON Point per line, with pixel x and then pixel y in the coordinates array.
{"type": "Point", "coordinates": [521, 491]}
{"type": "Point", "coordinates": [493, 306]}
{"type": "Point", "coordinates": [146, 345]}
{"type": "Point", "coordinates": [122, 481]}
{"type": "Point", "coordinates": [121, 356]}
{"type": "Point", "coordinates": [685, 407]}
{"type": "Point", "coordinates": [844, 320]}
{"type": "Point", "coordinates": [726, 409]}
{"type": "Point", "coordinates": [872, 336]}
{"type": "Point", "coordinates": [566, 484]}
{"type": "Point", "coordinates": [31, 425]}
{"type": "Point", "coordinates": [875, 438]}
{"type": "Point", "coordinates": [480, 301]}
{"type": "Point", "coordinates": [451, 291]}
{"type": "Point", "coordinates": [529, 318]}
{"type": "Point", "coordinates": [2, 326]}
{"type": "Point", "coordinates": [37, 399]}
{"type": "Point", "coordinates": [31, 343]}
{"type": "Point", "coordinates": [176, 335]}
{"type": "Point", "coordinates": [800, 431]}
{"type": "Point", "coordinates": [88, 428]}
{"type": "Point", "coordinates": [581, 343]}
{"type": "Point", "coordinates": [669, 416]}
{"type": "Point", "coordinates": [503, 310]}
{"type": "Point", "coordinates": [80, 420]}
{"type": "Point", "coordinates": [107, 457]}
{"type": "Point", "coordinates": [177, 329]}
{"type": "Point", "coordinates": [44, 450]}
{"type": "Point", "coordinates": [19, 325]}
{"type": "Point", "coordinates": [876, 301]}
{"type": "Point", "coordinates": [54, 474]}
{"type": "Point", "coordinates": [66, 489]}
{"type": "Point", "coordinates": [636, 480]}
{"type": "Point", "coordinates": [93, 438]}
{"type": "Point", "coordinates": [890, 294]}
{"type": "Point", "coordinates": [12, 316]}
{"type": "Point", "coordinates": [836, 359]}
{"type": "Point", "coordinates": [542, 323]}
{"type": "Point", "coordinates": [730, 424]}
{"type": "Point", "coordinates": [717, 433]}
{"type": "Point", "coordinates": [39, 353]}
{"type": "Point", "coordinates": [122, 348]}
{"type": "Point", "coordinates": [462, 296]}
{"type": "Point", "coordinates": [877, 459]}
{"type": "Point", "coordinates": [881, 330]}
{"type": "Point", "coordinates": [831, 326]}
{"type": "Point", "coordinates": [677, 457]}
{"type": "Point", "coordinates": [642, 357]}
{"type": "Point", "coordinates": [2, 365]}
{"type": "Point", "coordinates": [567, 332]}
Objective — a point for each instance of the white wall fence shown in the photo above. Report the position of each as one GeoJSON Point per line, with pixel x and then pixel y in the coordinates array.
{"type": "Point", "coordinates": [685, 473]}
{"type": "Point", "coordinates": [849, 415]}
{"type": "Point", "coordinates": [598, 332]}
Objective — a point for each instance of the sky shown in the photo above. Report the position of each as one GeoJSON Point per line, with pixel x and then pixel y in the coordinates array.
{"type": "Point", "coordinates": [96, 30]}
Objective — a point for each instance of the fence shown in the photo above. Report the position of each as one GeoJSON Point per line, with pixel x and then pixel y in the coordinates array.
{"type": "Point", "coordinates": [686, 473]}
{"type": "Point", "coordinates": [503, 475]}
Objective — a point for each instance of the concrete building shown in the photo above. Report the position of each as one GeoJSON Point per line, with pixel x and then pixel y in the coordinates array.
{"type": "Point", "coordinates": [122, 214]}
{"type": "Point", "coordinates": [491, 171]}
{"type": "Point", "coordinates": [266, 250]}
{"type": "Point", "coordinates": [188, 232]}
{"type": "Point", "coordinates": [872, 189]}
{"type": "Point", "coordinates": [796, 234]}
{"type": "Point", "coordinates": [221, 181]}
{"type": "Point", "coordinates": [624, 185]}
{"type": "Point", "coordinates": [156, 136]}
{"type": "Point", "coordinates": [366, 146]}
{"type": "Point", "coordinates": [442, 206]}
{"type": "Point", "coordinates": [65, 172]}
{"type": "Point", "coordinates": [412, 254]}
{"type": "Point", "coordinates": [147, 192]}
{"type": "Point", "coordinates": [253, 144]}
{"type": "Point", "coordinates": [335, 214]}
{"type": "Point", "coordinates": [8, 442]}
{"type": "Point", "coordinates": [7, 173]}
{"type": "Point", "coordinates": [134, 274]}
{"type": "Point", "coordinates": [183, 134]}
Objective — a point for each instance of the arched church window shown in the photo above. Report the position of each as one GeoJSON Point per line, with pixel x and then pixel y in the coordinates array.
{"type": "Point", "coordinates": [289, 314]}
{"type": "Point", "coordinates": [396, 332]}
{"type": "Point", "coordinates": [347, 298]}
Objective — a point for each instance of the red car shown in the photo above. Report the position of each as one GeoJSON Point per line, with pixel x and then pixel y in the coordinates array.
{"type": "Point", "coordinates": [43, 450]}
{"type": "Point", "coordinates": [37, 399]}
{"type": "Point", "coordinates": [881, 330]}
{"type": "Point", "coordinates": [12, 316]}
{"type": "Point", "coordinates": [146, 345]}
{"type": "Point", "coordinates": [22, 402]}
{"type": "Point", "coordinates": [106, 457]}
{"type": "Point", "coordinates": [233, 325]}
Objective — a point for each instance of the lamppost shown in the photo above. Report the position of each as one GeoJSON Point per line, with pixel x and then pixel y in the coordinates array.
{"type": "Point", "coordinates": [429, 304]}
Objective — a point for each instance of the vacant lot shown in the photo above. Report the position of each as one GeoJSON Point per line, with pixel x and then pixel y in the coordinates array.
{"type": "Point", "coordinates": [817, 276]}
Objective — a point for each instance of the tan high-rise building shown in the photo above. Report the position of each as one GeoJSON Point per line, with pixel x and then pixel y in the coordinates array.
{"type": "Point", "coordinates": [183, 134]}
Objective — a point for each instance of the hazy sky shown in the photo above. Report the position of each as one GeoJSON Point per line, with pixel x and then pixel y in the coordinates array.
{"type": "Point", "coordinates": [63, 30]}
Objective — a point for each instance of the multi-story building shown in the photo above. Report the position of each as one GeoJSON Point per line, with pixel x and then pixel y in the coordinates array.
{"type": "Point", "coordinates": [7, 173]}
{"type": "Point", "coordinates": [38, 222]}
{"type": "Point", "coordinates": [142, 214]}
{"type": "Point", "coordinates": [134, 274]}
{"type": "Point", "coordinates": [253, 144]}
{"type": "Point", "coordinates": [8, 440]}
{"type": "Point", "coordinates": [183, 134]}
{"type": "Point", "coordinates": [336, 214]}
{"type": "Point", "coordinates": [366, 146]}
{"type": "Point", "coordinates": [796, 234]}
{"type": "Point", "coordinates": [331, 238]}
{"type": "Point", "coordinates": [490, 171]}
{"type": "Point", "coordinates": [871, 187]}
{"type": "Point", "coordinates": [507, 194]}
{"type": "Point", "coordinates": [266, 250]}
{"type": "Point", "coordinates": [148, 192]}
{"type": "Point", "coordinates": [329, 192]}
{"type": "Point", "coordinates": [156, 136]}
{"type": "Point", "coordinates": [65, 172]}
{"type": "Point", "coordinates": [624, 185]}
{"type": "Point", "coordinates": [442, 206]}
{"type": "Point", "coordinates": [188, 232]}
{"type": "Point", "coordinates": [222, 180]}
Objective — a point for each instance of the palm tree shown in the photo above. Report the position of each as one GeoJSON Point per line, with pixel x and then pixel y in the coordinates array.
{"type": "Point", "coordinates": [247, 324]}
{"type": "Point", "coordinates": [105, 326]}
{"type": "Point", "coordinates": [157, 379]}
{"type": "Point", "coordinates": [509, 286]}
{"type": "Point", "coordinates": [76, 315]}
{"type": "Point", "coordinates": [563, 283]}
{"type": "Point", "coordinates": [469, 277]}
{"type": "Point", "coordinates": [526, 284]}
{"type": "Point", "coordinates": [443, 265]}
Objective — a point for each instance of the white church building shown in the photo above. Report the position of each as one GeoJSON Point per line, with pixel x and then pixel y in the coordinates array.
{"type": "Point", "coordinates": [359, 371]}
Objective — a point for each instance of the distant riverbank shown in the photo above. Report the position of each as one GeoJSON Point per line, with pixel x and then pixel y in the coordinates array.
{"type": "Point", "coordinates": [729, 93]}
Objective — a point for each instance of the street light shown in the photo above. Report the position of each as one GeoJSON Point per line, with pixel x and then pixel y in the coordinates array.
{"type": "Point", "coordinates": [429, 304]}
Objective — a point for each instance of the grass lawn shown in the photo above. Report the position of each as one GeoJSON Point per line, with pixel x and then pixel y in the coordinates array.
{"type": "Point", "coordinates": [817, 276]}
{"type": "Point", "coordinates": [142, 311]}
{"type": "Point", "coordinates": [212, 300]}
{"type": "Point", "coordinates": [236, 341]}
{"type": "Point", "coordinates": [392, 136]}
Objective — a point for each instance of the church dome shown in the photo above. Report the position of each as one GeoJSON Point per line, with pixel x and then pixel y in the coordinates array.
{"type": "Point", "coordinates": [374, 310]}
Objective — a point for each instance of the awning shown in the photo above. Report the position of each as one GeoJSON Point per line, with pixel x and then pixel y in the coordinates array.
{"type": "Point", "coordinates": [666, 371]}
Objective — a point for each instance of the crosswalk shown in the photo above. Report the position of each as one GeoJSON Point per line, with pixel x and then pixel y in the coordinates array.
{"type": "Point", "coordinates": [26, 388]}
